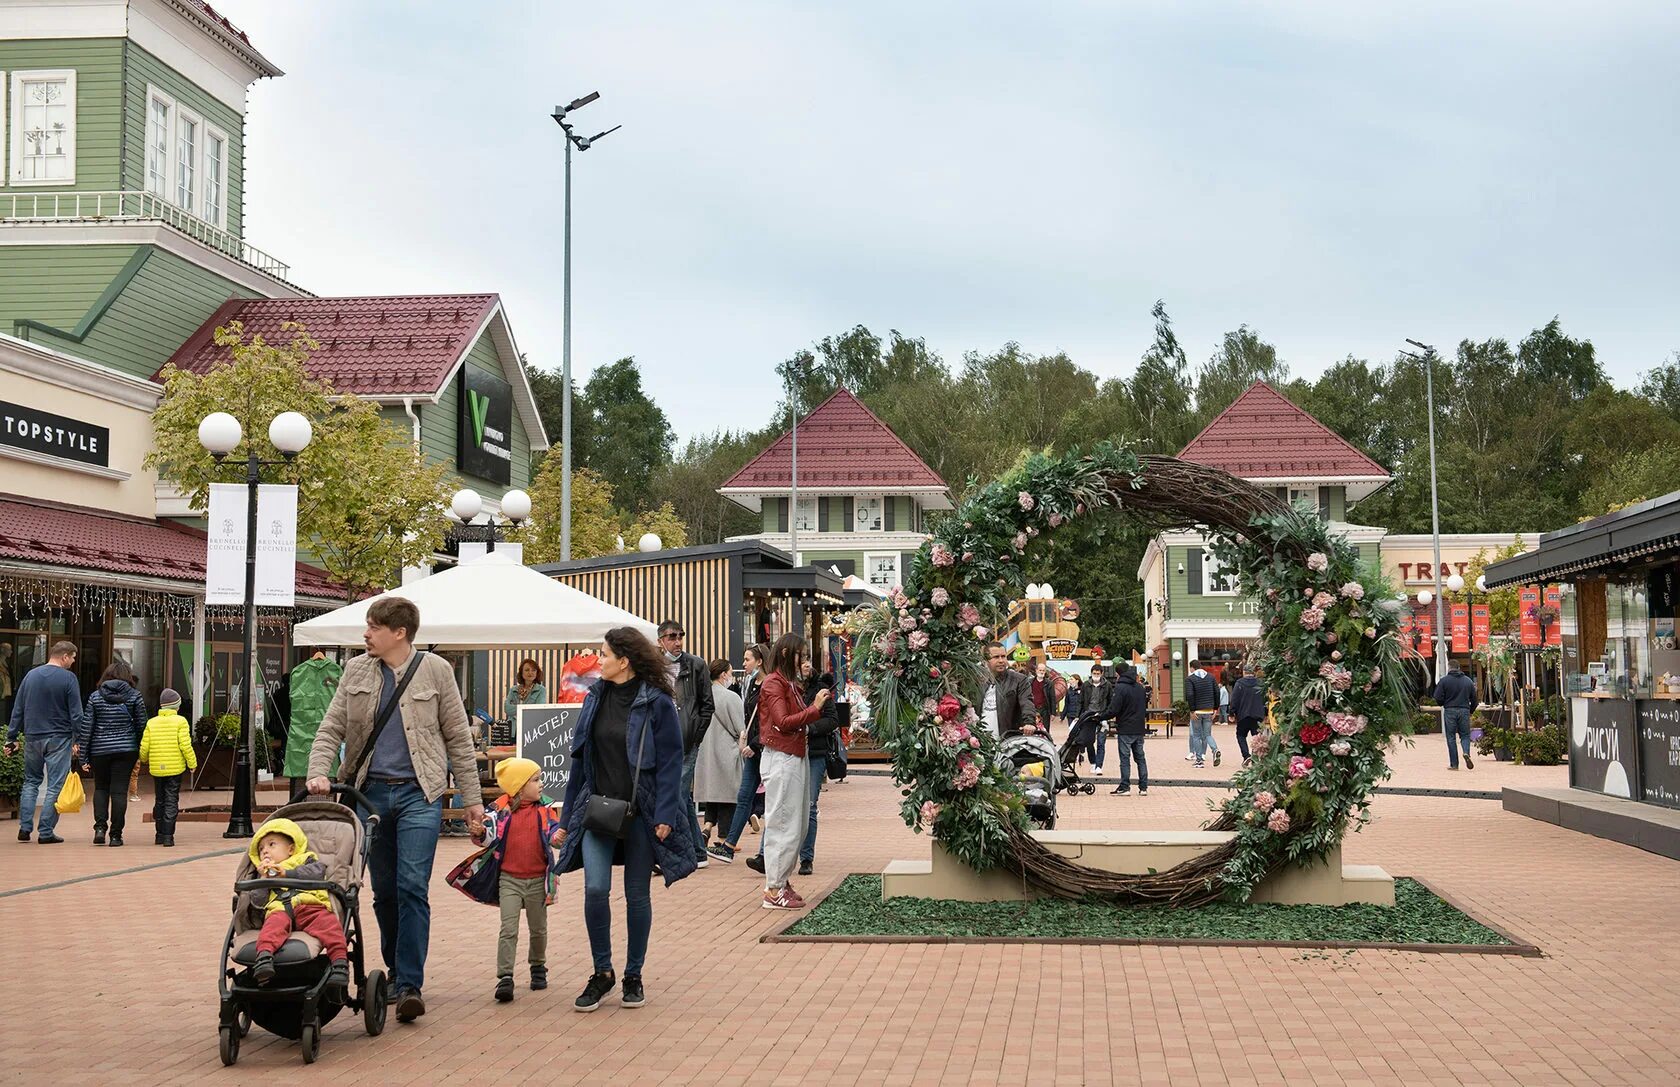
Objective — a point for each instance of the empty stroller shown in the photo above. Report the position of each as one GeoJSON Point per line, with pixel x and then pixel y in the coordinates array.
{"type": "Point", "coordinates": [297, 1005]}
{"type": "Point", "coordinates": [1038, 773]}
{"type": "Point", "coordinates": [1082, 735]}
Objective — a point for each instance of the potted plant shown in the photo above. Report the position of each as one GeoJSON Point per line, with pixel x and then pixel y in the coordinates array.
{"type": "Point", "coordinates": [1540, 747]}
{"type": "Point", "coordinates": [11, 781]}
{"type": "Point", "coordinates": [1494, 741]}
{"type": "Point", "coordinates": [215, 749]}
{"type": "Point", "coordinates": [1181, 713]}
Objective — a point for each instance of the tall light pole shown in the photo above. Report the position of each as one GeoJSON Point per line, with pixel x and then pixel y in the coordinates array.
{"type": "Point", "coordinates": [220, 433]}
{"type": "Point", "coordinates": [796, 374]}
{"type": "Point", "coordinates": [583, 143]}
{"type": "Point", "coordinates": [1428, 360]}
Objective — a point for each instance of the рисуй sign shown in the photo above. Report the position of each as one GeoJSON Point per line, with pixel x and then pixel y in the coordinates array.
{"type": "Point", "coordinates": [55, 435]}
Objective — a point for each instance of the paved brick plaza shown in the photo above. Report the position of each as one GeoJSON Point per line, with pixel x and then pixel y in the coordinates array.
{"type": "Point", "coordinates": [116, 975]}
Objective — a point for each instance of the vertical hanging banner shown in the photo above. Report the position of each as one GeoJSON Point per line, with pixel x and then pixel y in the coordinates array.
{"type": "Point", "coordinates": [1426, 633]}
{"type": "Point", "coordinates": [224, 561]}
{"type": "Point", "coordinates": [1554, 600]}
{"type": "Point", "coordinates": [276, 544]}
{"type": "Point", "coordinates": [1461, 628]}
{"type": "Point", "coordinates": [1408, 638]}
{"type": "Point", "coordinates": [1528, 600]}
{"type": "Point", "coordinates": [1480, 624]}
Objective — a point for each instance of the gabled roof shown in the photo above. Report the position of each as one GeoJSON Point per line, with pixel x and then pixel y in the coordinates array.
{"type": "Point", "coordinates": [1263, 436]}
{"type": "Point", "coordinates": [843, 448]}
{"type": "Point", "coordinates": [379, 348]}
{"type": "Point", "coordinates": [90, 539]}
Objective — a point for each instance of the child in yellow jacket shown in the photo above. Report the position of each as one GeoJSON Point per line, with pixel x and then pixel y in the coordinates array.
{"type": "Point", "coordinates": [280, 849]}
{"type": "Point", "coordinates": [166, 749]}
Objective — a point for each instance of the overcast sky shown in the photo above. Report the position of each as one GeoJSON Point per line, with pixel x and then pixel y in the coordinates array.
{"type": "Point", "coordinates": [1336, 176]}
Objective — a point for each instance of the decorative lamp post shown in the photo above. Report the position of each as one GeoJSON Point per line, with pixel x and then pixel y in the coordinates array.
{"type": "Point", "coordinates": [466, 505]}
{"type": "Point", "coordinates": [220, 434]}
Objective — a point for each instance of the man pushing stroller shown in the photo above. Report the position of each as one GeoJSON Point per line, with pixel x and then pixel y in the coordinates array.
{"type": "Point", "coordinates": [280, 850]}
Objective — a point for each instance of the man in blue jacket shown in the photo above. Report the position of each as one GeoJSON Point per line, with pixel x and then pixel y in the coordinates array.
{"type": "Point", "coordinates": [1248, 706]}
{"type": "Point", "coordinates": [48, 711]}
{"type": "Point", "coordinates": [1201, 690]}
{"type": "Point", "coordinates": [1457, 695]}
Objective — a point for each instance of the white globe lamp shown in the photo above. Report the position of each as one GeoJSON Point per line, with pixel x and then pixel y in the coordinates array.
{"type": "Point", "coordinates": [649, 542]}
{"type": "Point", "coordinates": [219, 433]}
{"type": "Point", "coordinates": [1425, 597]}
{"type": "Point", "coordinates": [290, 432]}
{"type": "Point", "coordinates": [1047, 591]}
{"type": "Point", "coordinates": [516, 505]}
{"type": "Point", "coordinates": [1481, 584]}
{"type": "Point", "coordinates": [466, 504]}
{"type": "Point", "coordinates": [1455, 583]}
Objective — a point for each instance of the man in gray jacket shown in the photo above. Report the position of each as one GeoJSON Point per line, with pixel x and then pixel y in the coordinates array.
{"type": "Point", "coordinates": [404, 771]}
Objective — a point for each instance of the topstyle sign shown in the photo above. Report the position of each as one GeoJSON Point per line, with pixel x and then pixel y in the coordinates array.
{"type": "Point", "coordinates": [54, 435]}
{"type": "Point", "coordinates": [484, 444]}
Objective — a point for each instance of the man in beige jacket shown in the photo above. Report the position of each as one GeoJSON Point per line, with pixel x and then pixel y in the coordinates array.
{"type": "Point", "coordinates": [404, 777]}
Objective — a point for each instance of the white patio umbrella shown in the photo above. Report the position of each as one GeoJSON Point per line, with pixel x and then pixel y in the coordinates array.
{"type": "Point", "coordinates": [489, 604]}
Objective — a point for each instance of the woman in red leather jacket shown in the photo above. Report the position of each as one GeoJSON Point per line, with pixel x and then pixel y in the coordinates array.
{"type": "Point", "coordinates": [782, 719]}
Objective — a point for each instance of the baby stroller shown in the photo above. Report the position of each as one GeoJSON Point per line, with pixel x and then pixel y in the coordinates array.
{"type": "Point", "coordinates": [1082, 735]}
{"type": "Point", "coordinates": [1038, 772]}
{"type": "Point", "coordinates": [296, 1005]}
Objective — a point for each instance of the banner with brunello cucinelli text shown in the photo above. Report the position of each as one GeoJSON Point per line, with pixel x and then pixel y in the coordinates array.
{"type": "Point", "coordinates": [1461, 628]}
{"type": "Point", "coordinates": [1480, 624]}
{"type": "Point", "coordinates": [276, 550]}
{"type": "Point", "coordinates": [1554, 600]}
{"type": "Point", "coordinates": [1528, 600]}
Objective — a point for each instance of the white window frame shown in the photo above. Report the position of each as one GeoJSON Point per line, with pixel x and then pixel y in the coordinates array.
{"type": "Point", "coordinates": [153, 94]}
{"type": "Point", "coordinates": [810, 505]}
{"type": "Point", "coordinates": [1213, 576]}
{"type": "Point", "coordinates": [195, 189]}
{"type": "Point", "coordinates": [1307, 492]}
{"type": "Point", "coordinates": [869, 567]}
{"type": "Point", "coordinates": [211, 132]}
{"type": "Point", "coordinates": [16, 119]}
{"type": "Point", "coordinates": [861, 504]}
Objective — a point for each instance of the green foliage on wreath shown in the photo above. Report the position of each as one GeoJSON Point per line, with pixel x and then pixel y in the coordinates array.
{"type": "Point", "coordinates": [1328, 649]}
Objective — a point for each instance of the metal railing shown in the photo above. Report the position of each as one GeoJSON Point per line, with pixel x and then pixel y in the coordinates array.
{"type": "Point", "coordinates": [132, 206]}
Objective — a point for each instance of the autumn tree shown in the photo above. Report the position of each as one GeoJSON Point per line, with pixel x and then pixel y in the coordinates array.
{"type": "Point", "coordinates": [368, 503]}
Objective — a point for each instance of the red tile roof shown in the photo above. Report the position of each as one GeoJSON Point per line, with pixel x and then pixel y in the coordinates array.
{"type": "Point", "coordinates": [369, 346]}
{"type": "Point", "coordinates": [1262, 435]}
{"type": "Point", "coordinates": [841, 444]}
{"type": "Point", "coordinates": [89, 539]}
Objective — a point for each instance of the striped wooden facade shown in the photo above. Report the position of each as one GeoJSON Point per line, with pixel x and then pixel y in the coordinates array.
{"type": "Point", "coordinates": [695, 592]}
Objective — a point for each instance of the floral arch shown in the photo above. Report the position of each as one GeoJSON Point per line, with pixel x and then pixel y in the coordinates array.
{"type": "Point", "coordinates": [1328, 649]}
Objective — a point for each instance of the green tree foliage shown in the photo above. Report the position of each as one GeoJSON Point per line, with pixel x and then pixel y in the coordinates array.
{"type": "Point", "coordinates": [368, 503]}
{"type": "Point", "coordinates": [598, 524]}
{"type": "Point", "coordinates": [1241, 359]}
{"type": "Point", "coordinates": [629, 438]}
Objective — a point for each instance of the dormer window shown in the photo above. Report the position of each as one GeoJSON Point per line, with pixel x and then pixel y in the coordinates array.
{"type": "Point", "coordinates": [805, 517]}
{"type": "Point", "coordinates": [43, 128]}
{"type": "Point", "coordinates": [866, 515]}
{"type": "Point", "coordinates": [1309, 495]}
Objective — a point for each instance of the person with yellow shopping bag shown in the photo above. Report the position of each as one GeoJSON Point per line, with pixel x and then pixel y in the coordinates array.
{"type": "Point", "coordinates": [47, 710]}
{"type": "Point", "coordinates": [71, 797]}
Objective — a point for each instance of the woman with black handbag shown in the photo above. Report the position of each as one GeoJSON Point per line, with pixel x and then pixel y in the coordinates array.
{"type": "Point", "coordinates": [623, 805]}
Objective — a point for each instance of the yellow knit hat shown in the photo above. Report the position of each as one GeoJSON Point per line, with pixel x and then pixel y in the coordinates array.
{"type": "Point", "coordinates": [512, 774]}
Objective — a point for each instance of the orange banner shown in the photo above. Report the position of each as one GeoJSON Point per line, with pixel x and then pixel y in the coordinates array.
{"type": "Point", "coordinates": [1408, 637]}
{"type": "Point", "coordinates": [1554, 600]}
{"type": "Point", "coordinates": [1528, 600]}
{"type": "Point", "coordinates": [1461, 628]}
{"type": "Point", "coordinates": [1480, 624]}
{"type": "Point", "coordinates": [1426, 632]}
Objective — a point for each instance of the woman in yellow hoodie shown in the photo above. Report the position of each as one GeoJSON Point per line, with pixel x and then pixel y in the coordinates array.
{"type": "Point", "coordinates": [167, 750]}
{"type": "Point", "coordinates": [281, 849]}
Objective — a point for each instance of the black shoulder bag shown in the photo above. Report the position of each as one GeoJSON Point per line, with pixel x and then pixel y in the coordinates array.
{"type": "Point", "coordinates": [351, 769]}
{"type": "Point", "coordinates": [608, 815]}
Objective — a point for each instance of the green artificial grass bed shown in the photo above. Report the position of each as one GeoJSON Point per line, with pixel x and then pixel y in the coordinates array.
{"type": "Point", "coordinates": [1418, 916]}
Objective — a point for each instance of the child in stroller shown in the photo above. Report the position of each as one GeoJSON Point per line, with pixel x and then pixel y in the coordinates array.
{"type": "Point", "coordinates": [1081, 736]}
{"type": "Point", "coordinates": [1038, 772]}
{"type": "Point", "coordinates": [308, 958]}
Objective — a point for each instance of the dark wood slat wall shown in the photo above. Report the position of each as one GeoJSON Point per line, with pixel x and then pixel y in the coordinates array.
{"type": "Point", "coordinates": [695, 594]}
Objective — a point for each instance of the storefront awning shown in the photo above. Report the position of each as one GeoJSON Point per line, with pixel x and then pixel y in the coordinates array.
{"type": "Point", "coordinates": [1603, 545]}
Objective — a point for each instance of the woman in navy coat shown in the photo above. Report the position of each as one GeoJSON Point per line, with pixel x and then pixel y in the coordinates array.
{"type": "Point", "coordinates": [627, 746]}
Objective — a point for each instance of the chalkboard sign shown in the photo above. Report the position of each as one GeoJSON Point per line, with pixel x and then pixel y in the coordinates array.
{"type": "Point", "coordinates": [543, 734]}
{"type": "Point", "coordinates": [1601, 739]}
{"type": "Point", "coordinates": [1659, 752]}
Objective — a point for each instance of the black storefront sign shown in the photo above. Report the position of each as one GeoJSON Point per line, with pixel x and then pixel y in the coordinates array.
{"type": "Point", "coordinates": [1603, 736]}
{"type": "Point", "coordinates": [543, 734]}
{"type": "Point", "coordinates": [43, 432]}
{"type": "Point", "coordinates": [484, 445]}
{"type": "Point", "coordinates": [1659, 752]}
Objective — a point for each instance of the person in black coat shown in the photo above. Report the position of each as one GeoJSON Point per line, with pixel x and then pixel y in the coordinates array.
{"type": "Point", "coordinates": [1128, 706]}
{"type": "Point", "coordinates": [1457, 695]}
{"type": "Point", "coordinates": [1006, 706]}
{"type": "Point", "coordinates": [1248, 706]}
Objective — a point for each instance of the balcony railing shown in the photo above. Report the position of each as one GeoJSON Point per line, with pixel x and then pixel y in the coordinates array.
{"type": "Point", "coordinates": [132, 207]}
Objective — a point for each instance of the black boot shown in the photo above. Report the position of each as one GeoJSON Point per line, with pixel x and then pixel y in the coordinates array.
{"type": "Point", "coordinates": [539, 977]}
{"type": "Point", "coordinates": [116, 840]}
{"type": "Point", "coordinates": [338, 981]}
{"type": "Point", "coordinates": [167, 839]}
{"type": "Point", "coordinates": [262, 971]}
{"type": "Point", "coordinates": [98, 835]}
{"type": "Point", "coordinates": [504, 988]}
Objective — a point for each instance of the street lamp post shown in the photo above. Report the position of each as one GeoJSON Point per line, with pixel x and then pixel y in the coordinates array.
{"type": "Point", "coordinates": [221, 433]}
{"type": "Point", "coordinates": [796, 375]}
{"type": "Point", "coordinates": [582, 144]}
{"type": "Point", "coordinates": [1428, 360]}
{"type": "Point", "coordinates": [467, 505]}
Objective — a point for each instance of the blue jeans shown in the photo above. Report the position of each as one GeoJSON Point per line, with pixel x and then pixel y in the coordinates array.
{"type": "Point", "coordinates": [744, 800]}
{"type": "Point", "coordinates": [1098, 747]}
{"type": "Point", "coordinates": [1201, 734]}
{"type": "Point", "coordinates": [47, 757]}
{"type": "Point", "coordinates": [819, 771]}
{"type": "Point", "coordinates": [1456, 722]}
{"type": "Point", "coordinates": [598, 851]}
{"type": "Point", "coordinates": [400, 864]}
{"type": "Point", "coordinates": [1131, 747]}
{"type": "Point", "coordinates": [695, 834]}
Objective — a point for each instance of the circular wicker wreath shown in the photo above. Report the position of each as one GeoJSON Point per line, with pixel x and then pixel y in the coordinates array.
{"type": "Point", "coordinates": [1328, 650]}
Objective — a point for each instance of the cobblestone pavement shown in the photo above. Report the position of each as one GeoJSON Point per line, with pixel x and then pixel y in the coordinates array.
{"type": "Point", "coordinates": [112, 980]}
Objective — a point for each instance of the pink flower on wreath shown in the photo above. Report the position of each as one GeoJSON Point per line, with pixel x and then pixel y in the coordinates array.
{"type": "Point", "coordinates": [968, 615]}
{"type": "Point", "coordinates": [887, 646]}
{"type": "Point", "coordinates": [1026, 500]}
{"type": "Point", "coordinates": [1342, 679]}
{"type": "Point", "coordinates": [952, 734]}
{"type": "Point", "coordinates": [1057, 520]}
{"type": "Point", "coordinates": [968, 774]}
{"type": "Point", "coordinates": [940, 598]}
{"type": "Point", "coordinates": [1079, 509]}
{"type": "Point", "coordinates": [899, 600]}
{"type": "Point", "coordinates": [1370, 632]}
{"type": "Point", "coordinates": [1376, 675]}
{"type": "Point", "coordinates": [906, 622]}
{"type": "Point", "coordinates": [1332, 639]}
{"type": "Point", "coordinates": [1289, 656]}
{"type": "Point", "coordinates": [1353, 591]}
{"type": "Point", "coordinates": [1313, 704]}
{"type": "Point", "coordinates": [1298, 766]}
{"type": "Point", "coordinates": [1020, 541]}
{"type": "Point", "coordinates": [1306, 594]}
{"type": "Point", "coordinates": [1271, 594]}
{"type": "Point", "coordinates": [1340, 747]}
{"type": "Point", "coordinates": [1312, 619]}
{"type": "Point", "coordinates": [942, 555]}
{"type": "Point", "coordinates": [1318, 562]}
{"type": "Point", "coordinates": [1323, 601]}
{"type": "Point", "coordinates": [949, 708]}
{"type": "Point", "coordinates": [974, 742]}
{"type": "Point", "coordinates": [1346, 724]}
{"type": "Point", "coordinates": [1279, 821]}
{"type": "Point", "coordinates": [919, 640]}
{"type": "Point", "coordinates": [981, 632]}
{"type": "Point", "coordinates": [968, 556]}
{"type": "Point", "coordinates": [1325, 670]}
{"type": "Point", "coordinates": [1264, 800]}
{"type": "Point", "coordinates": [1335, 654]}
{"type": "Point", "coordinates": [930, 812]}
{"type": "Point", "coordinates": [929, 706]}
{"type": "Point", "coordinates": [1032, 531]}
{"type": "Point", "coordinates": [1260, 743]}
